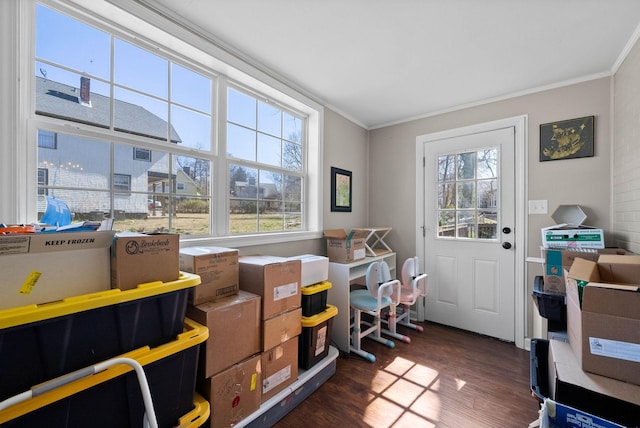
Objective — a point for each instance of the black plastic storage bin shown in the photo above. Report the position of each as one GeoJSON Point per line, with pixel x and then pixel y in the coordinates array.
{"type": "Point", "coordinates": [551, 306]}
{"type": "Point", "coordinates": [42, 342]}
{"type": "Point", "coordinates": [539, 368]}
{"type": "Point", "coordinates": [315, 338]}
{"type": "Point", "coordinates": [113, 398]}
{"type": "Point", "coordinates": [314, 298]}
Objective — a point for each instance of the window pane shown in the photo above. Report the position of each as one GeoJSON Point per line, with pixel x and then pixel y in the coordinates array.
{"type": "Point", "coordinates": [83, 204]}
{"type": "Point", "coordinates": [292, 128]}
{"type": "Point", "coordinates": [58, 95]}
{"type": "Point", "coordinates": [243, 202]}
{"type": "Point", "coordinates": [193, 129]}
{"type": "Point", "coordinates": [488, 163]}
{"type": "Point", "coordinates": [466, 227]}
{"type": "Point", "coordinates": [446, 196]}
{"type": "Point", "coordinates": [75, 45]}
{"type": "Point", "coordinates": [269, 151]}
{"type": "Point", "coordinates": [270, 202]}
{"type": "Point", "coordinates": [139, 69]}
{"type": "Point", "coordinates": [292, 156]}
{"type": "Point", "coordinates": [192, 215]}
{"type": "Point", "coordinates": [269, 119]}
{"type": "Point", "coordinates": [466, 195]}
{"type": "Point", "coordinates": [292, 202]}
{"type": "Point", "coordinates": [241, 109]}
{"type": "Point", "coordinates": [466, 166]}
{"type": "Point", "coordinates": [446, 167]}
{"type": "Point", "coordinates": [141, 115]}
{"type": "Point", "coordinates": [446, 224]}
{"type": "Point", "coordinates": [487, 193]}
{"type": "Point", "coordinates": [193, 176]}
{"type": "Point", "coordinates": [241, 142]}
{"type": "Point", "coordinates": [149, 180]}
{"type": "Point", "coordinates": [190, 89]}
{"type": "Point", "coordinates": [487, 224]}
{"type": "Point", "coordinates": [78, 162]}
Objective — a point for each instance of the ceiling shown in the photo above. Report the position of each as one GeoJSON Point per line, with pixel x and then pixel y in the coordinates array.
{"type": "Point", "coordinates": [379, 62]}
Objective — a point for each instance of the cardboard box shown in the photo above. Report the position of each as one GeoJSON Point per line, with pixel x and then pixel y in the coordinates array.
{"type": "Point", "coordinates": [346, 248]}
{"type": "Point", "coordinates": [281, 328]}
{"type": "Point", "coordinates": [234, 393]}
{"type": "Point", "coordinates": [557, 260]}
{"type": "Point", "coordinates": [218, 271]}
{"type": "Point", "coordinates": [314, 269]}
{"type": "Point", "coordinates": [605, 397]}
{"type": "Point", "coordinates": [275, 279]}
{"type": "Point", "coordinates": [603, 324]}
{"type": "Point", "coordinates": [234, 330]}
{"type": "Point", "coordinates": [279, 368]}
{"type": "Point", "coordinates": [572, 236]}
{"type": "Point", "coordinates": [138, 258]}
{"type": "Point", "coordinates": [569, 231]}
{"type": "Point", "coordinates": [45, 267]}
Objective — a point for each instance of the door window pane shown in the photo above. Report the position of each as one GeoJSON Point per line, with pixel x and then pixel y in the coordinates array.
{"type": "Point", "coordinates": [466, 166]}
{"type": "Point", "coordinates": [446, 167]}
{"type": "Point", "coordinates": [468, 195]}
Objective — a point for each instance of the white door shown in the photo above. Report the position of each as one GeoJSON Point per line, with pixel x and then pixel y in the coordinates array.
{"type": "Point", "coordinates": [469, 220]}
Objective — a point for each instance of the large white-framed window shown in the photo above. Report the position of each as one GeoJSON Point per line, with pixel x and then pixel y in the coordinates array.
{"type": "Point", "coordinates": [125, 90]}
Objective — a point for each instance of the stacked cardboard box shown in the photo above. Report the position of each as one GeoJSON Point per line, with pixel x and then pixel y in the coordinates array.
{"type": "Point", "coordinates": [346, 248]}
{"type": "Point", "coordinates": [46, 267]}
{"type": "Point", "coordinates": [598, 371]}
{"type": "Point", "coordinates": [557, 260]}
{"type": "Point", "coordinates": [277, 281]}
{"type": "Point", "coordinates": [231, 354]}
{"type": "Point", "coordinates": [139, 258]}
{"type": "Point", "coordinates": [603, 315]}
{"type": "Point", "coordinates": [218, 270]}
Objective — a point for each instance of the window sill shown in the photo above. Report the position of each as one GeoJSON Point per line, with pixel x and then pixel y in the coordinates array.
{"type": "Point", "coordinates": [250, 240]}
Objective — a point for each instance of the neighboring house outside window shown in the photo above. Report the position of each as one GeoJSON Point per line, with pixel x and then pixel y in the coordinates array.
{"type": "Point", "coordinates": [126, 96]}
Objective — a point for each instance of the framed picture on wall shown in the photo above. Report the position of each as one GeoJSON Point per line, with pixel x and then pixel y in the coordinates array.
{"type": "Point", "coordinates": [341, 190]}
{"type": "Point", "coordinates": [567, 139]}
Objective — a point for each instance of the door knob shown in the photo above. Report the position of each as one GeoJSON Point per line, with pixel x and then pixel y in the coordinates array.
{"type": "Point", "coordinates": [506, 245]}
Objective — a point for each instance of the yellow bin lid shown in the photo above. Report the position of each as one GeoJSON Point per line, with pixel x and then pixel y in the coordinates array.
{"type": "Point", "coordinates": [316, 288]}
{"type": "Point", "coordinates": [31, 313]}
{"type": "Point", "coordinates": [323, 316]}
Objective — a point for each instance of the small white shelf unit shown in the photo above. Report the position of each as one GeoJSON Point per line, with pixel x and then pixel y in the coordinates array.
{"type": "Point", "coordinates": [374, 244]}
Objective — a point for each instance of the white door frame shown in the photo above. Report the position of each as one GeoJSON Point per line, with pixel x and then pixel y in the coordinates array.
{"type": "Point", "coordinates": [521, 224]}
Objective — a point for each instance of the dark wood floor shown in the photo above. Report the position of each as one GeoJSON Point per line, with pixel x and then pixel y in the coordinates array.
{"type": "Point", "coordinates": [445, 378]}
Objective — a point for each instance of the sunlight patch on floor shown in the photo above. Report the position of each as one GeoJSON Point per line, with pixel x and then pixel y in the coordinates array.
{"type": "Point", "coordinates": [405, 394]}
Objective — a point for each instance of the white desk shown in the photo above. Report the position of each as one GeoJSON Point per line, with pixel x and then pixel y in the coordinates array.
{"type": "Point", "coordinates": [341, 276]}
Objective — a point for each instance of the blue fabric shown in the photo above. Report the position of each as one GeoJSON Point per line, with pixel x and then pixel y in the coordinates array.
{"type": "Point", "coordinates": [363, 300]}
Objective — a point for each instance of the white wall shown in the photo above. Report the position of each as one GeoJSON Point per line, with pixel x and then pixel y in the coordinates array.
{"type": "Point", "coordinates": [626, 160]}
